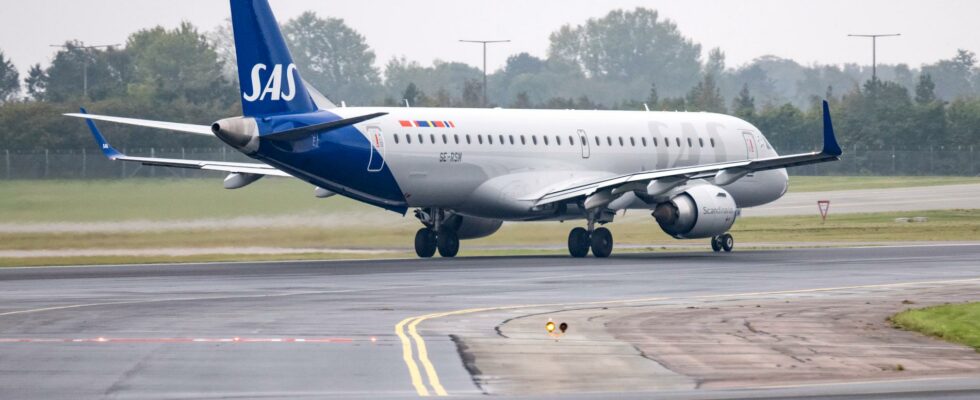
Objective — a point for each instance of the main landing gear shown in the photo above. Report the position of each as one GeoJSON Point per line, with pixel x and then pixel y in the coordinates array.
{"type": "Point", "coordinates": [723, 242]}
{"type": "Point", "coordinates": [433, 237]}
{"type": "Point", "coordinates": [580, 241]}
{"type": "Point", "coordinates": [427, 241]}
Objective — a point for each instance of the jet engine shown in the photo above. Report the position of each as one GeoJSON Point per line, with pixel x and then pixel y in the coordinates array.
{"type": "Point", "coordinates": [699, 212]}
{"type": "Point", "coordinates": [467, 227]}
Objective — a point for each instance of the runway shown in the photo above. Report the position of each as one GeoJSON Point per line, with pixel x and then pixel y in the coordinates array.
{"type": "Point", "coordinates": [386, 328]}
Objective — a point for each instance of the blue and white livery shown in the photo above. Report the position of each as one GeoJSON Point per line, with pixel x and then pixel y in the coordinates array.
{"type": "Point", "coordinates": [465, 171]}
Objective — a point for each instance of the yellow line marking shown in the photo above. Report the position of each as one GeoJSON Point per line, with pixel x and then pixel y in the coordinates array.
{"type": "Point", "coordinates": [430, 370]}
{"type": "Point", "coordinates": [413, 369]}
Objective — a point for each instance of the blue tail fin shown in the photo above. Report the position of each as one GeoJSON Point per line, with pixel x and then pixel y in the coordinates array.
{"type": "Point", "coordinates": [270, 83]}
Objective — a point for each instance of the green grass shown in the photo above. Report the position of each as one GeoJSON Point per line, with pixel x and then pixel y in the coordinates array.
{"type": "Point", "coordinates": [158, 199]}
{"type": "Point", "coordinates": [167, 200]}
{"type": "Point", "coordinates": [828, 183]}
{"type": "Point", "coordinates": [183, 199]}
{"type": "Point", "coordinates": [957, 323]}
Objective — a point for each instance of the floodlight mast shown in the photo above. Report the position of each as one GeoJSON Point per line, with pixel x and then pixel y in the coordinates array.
{"type": "Point", "coordinates": [874, 49]}
{"type": "Point", "coordinates": [484, 43]}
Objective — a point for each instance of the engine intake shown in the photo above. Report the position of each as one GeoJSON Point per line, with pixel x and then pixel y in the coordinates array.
{"type": "Point", "coordinates": [699, 212]}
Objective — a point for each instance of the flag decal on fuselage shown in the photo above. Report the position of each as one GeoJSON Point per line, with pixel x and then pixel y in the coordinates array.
{"type": "Point", "coordinates": [427, 124]}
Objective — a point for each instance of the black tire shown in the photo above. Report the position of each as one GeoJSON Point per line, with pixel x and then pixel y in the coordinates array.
{"type": "Point", "coordinates": [578, 242]}
{"type": "Point", "coordinates": [727, 243]}
{"type": "Point", "coordinates": [448, 244]}
{"type": "Point", "coordinates": [715, 244]}
{"type": "Point", "coordinates": [602, 243]}
{"type": "Point", "coordinates": [425, 243]}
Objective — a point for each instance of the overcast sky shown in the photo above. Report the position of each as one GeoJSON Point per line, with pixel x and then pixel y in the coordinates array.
{"type": "Point", "coordinates": [425, 30]}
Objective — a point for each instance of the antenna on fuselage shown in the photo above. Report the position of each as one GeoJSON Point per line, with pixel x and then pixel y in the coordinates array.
{"type": "Point", "coordinates": [406, 103]}
{"type": "Point", "coordinates": [343, 104]}
{"type": "Point", "coordinates": [646, 106]}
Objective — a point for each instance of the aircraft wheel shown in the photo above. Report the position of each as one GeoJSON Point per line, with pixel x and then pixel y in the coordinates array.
{"type": "Point", "coordinates": [602, 243]}
{"type": "Point", "coordinates": [578, 242]}
{"type": "Point", "coordinates": [448, 244]}
{"type": "Point", "coordinates": [727, 243]}
{"type": "Point", "coordinates": [716, 243]}
{"type": "Point", "coordinates": [425, 243]}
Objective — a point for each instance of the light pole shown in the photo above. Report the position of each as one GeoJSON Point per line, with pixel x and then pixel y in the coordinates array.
{"type": "Point", "coordinates": [874, 50]}
{"type": "Point", "coordinates": [484, 43]}
{"type": "Point", "coordinates": [84, 62]}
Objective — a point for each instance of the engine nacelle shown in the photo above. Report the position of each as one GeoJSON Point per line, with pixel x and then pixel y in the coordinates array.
{"type": "Point", "coordinates": [699, 212]}
{"type": "Point", "coordinates": [473, 227]}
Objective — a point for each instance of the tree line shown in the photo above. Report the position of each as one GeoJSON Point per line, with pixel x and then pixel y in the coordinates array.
{"type": "Point", "coordinates": [625, 60]}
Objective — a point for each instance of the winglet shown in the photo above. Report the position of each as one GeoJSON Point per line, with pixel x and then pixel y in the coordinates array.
{"type": "Point", "coordinates": [108, 150]}
{"type": "Point", "coordinates": [830, 146]}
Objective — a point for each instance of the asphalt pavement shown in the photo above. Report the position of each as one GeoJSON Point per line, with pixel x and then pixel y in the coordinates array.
{"type": "Point", "coordinates": [344, 329]}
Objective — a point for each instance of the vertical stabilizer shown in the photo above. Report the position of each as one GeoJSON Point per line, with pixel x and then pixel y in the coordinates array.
{"type": "Point", "coordinates": [270, 82]}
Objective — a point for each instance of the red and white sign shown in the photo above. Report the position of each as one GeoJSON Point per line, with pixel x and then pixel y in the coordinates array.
{"type": "Point", "coordinates": [824, 206]}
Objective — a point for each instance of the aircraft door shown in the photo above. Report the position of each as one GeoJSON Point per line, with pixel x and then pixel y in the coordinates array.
{"type": "Point", "coordinates": [751, 152]}
{"type": "Point", "coordinates": [376, 161]}
{"type": "Point", "coordinates": [583, 140]}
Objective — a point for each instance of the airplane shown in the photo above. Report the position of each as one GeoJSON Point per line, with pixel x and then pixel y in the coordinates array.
{"type": "Point", "coordinates": [464, 172]}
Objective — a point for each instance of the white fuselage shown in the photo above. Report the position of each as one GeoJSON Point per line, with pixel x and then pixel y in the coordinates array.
{"type": "Point", "coordinates": [494, 163]}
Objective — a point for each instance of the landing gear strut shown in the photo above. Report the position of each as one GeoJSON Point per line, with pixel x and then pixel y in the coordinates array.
{"type": "Point", "coordinates": [723, 242]}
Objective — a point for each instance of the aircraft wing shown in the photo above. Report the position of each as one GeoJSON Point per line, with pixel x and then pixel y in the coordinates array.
{"type": "Point", "coordinates": [721, 173]}
{"type": "Point", "coordinates": [173, 126]}
{"type": "Point", "coordinates": [232, 167]}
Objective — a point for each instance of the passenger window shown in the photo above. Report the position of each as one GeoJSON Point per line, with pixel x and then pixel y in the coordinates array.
{"type": "Point", "coordinates": [678, 140]}
{"type": "Point", "coordinates": [396, 138]}
{"type": "Point", "coordinates": [545, 139]}
{"type": "Point", "coordinates": [666, 142]}
{"type": "Point", "coordinates": [534, 140]}
{"type": "Point", "coordinates": [644, 140]}
{"type": "Point", "coordinates": [511, 139]}
{"type": "Point", "coordinates": [489, 139]}
{"type": "Point", "coordinates": [609, 140]}
{"type": "Point", "coordinates": [468, 141]}
{"type": "Point", "coordinates": [408, 139]}
{"type": "Point", "coordinates": [701, 142]}
{"type": "Point", "coordinates": [479, 138]}
{"type": "Point", "coordinates": [444, 139]}
{"type": "Point", "coordinates": [502, 139]}
{"type": "Point", "coordinates": [632, 141]}
{"type": "Point", "coordinates": [558, 140]}
{"type": "Point", "coordinates": [620, 141]}
{"type": "Point", "coordinates": [432, 136]}
{"type": "Point", "coordinates": [597, 141]}
{"type": "Point", "coordinates": [655, 144]}
{"type": "Point", "coordinates": [523, 141]}
{"type": "Point", "coordinates": [689, 143]}
{"type": "Point", "coordinates": [571, 140]}
{"type": "Point", "coordinates": [712, 140]}
{"type": "Point", "coordinates": [456, 137]}
{"type": "Point", "coordinates": [421, 141]}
